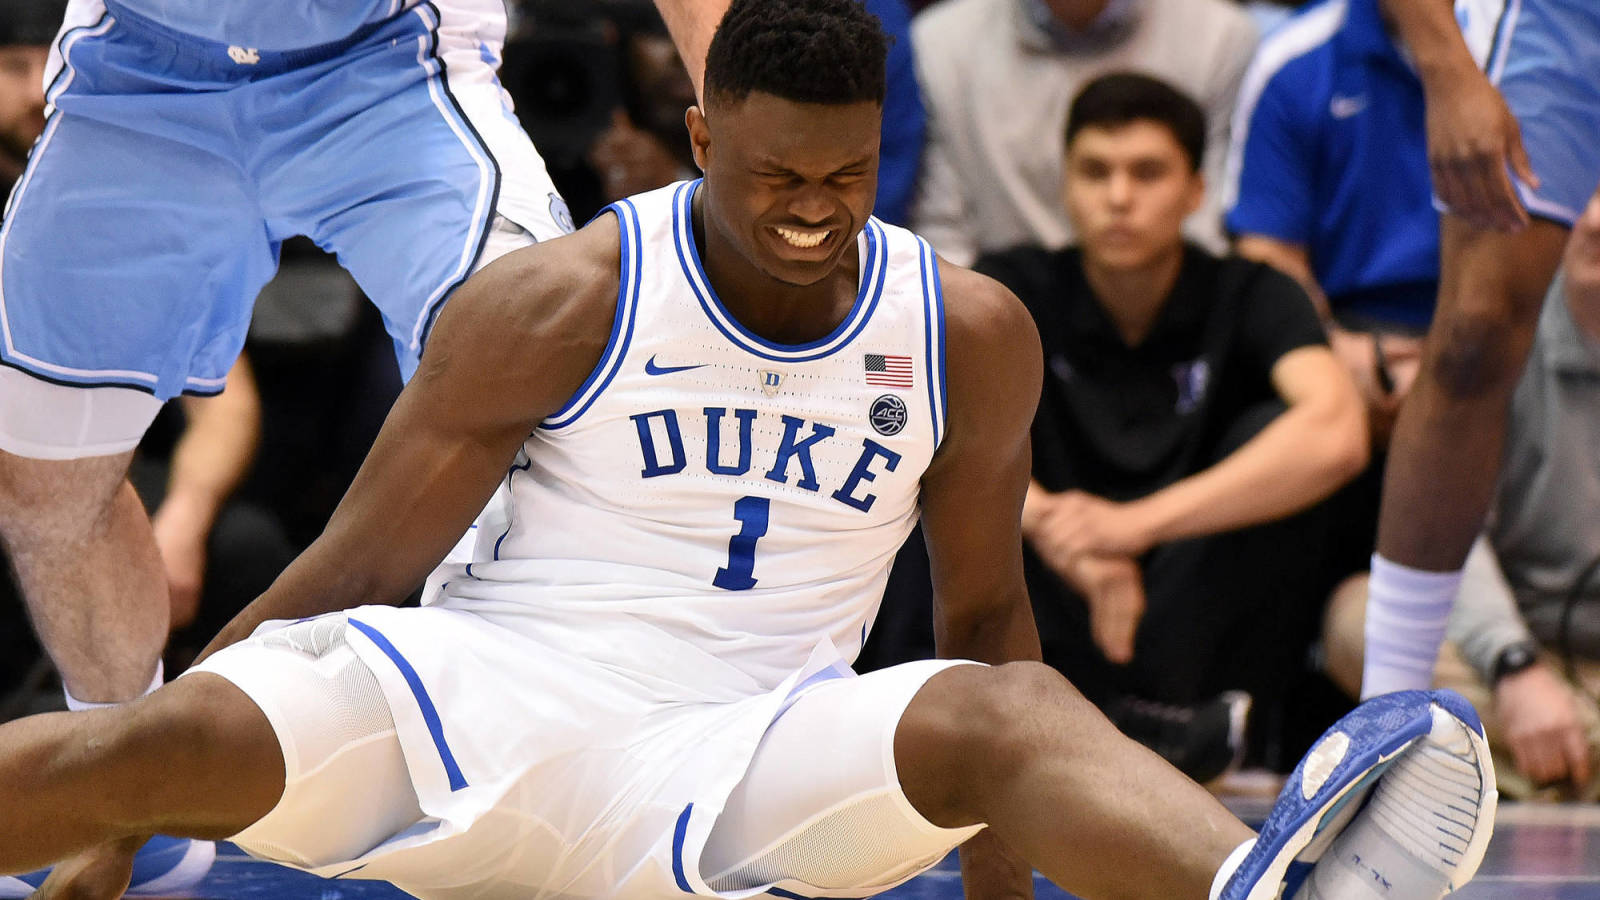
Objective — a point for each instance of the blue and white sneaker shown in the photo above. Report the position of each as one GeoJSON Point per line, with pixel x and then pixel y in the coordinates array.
{"type": "Point", "coordinates": [1418, 836]}
{"type": "Point", "coordinates": [163, 867]}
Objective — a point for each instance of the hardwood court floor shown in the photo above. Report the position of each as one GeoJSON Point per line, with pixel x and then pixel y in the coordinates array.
{"type": "Point", "coordinates": [1538, 853]}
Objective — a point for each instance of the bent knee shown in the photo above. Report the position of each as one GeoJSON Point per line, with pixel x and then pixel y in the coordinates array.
{"type": "Point", "coordinates": [204, 757]}
{"type": "Point", "coordinates": [971, 728]}
{"type": "Point", "coordinates": [1479, 351]}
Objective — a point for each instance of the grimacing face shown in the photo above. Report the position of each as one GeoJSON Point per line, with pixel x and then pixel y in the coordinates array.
{"type": "Point", "coordinates": [788, 184]}
{"type": "Point", "coordinates": [1127, 190]}
{"type": "Point", "coordinates": [21, 96]}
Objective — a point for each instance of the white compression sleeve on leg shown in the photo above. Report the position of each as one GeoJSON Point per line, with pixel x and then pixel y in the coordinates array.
{"type": "Point", "coordinates": [76, 705]}
{"type": "Point", "coordinates": [1406, 614]}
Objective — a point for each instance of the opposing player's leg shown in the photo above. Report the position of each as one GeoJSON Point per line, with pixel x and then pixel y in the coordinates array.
{"type": "Point", "coordinates": [1447, 443]}
{"type": "Point", "coordinates": [196, 759]}
{"type": "Point", "coordinates": [1018, 748]}
{"type": "Point", "coordinates": [80, 543]}
{"type": "Point", "coordinates": [1446, 446]}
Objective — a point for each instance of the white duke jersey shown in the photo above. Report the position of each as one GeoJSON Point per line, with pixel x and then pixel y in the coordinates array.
{"type": "Point", "coordinates": [285, 24]}
{"type": "Point", "coordinates": [742, 498]}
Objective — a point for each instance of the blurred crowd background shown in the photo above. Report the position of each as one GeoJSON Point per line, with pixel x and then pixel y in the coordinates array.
{"type": "Point", "coordinates": [1286, 179]}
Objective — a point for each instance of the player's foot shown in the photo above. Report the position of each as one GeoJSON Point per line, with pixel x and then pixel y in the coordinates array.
{"type": "Point", "coordinates": [1203, 741]}
{"type": "Point", "coordinates": [1420, 835]}
{"type": "Point", "coordinates": [161, 867]}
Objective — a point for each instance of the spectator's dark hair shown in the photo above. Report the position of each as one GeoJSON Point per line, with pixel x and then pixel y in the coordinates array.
{"type": "Point", "coordinates": [810, 51]}
{"type": "Point", "coordinates": [1122, 98]}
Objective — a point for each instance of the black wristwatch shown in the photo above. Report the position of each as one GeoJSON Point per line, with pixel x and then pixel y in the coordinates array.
{"type": "Point", "coordinates": [1515, 658]}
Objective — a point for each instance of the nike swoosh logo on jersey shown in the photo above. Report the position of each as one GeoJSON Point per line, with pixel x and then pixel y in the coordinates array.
{"type": "Point", "coordinates": [650, 368]}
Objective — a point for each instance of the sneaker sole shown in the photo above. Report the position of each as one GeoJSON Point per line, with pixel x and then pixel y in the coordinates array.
{"type": "Point", "coordinates": [1329, 779]}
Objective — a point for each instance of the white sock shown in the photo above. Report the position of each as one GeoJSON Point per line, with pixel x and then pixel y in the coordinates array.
{"type": "Point", "coordinates": [1406, 614]}
{"type": "Point", "coordinates": [76, 705]}
{"type": "Point", "coordinates": [1229, 866]}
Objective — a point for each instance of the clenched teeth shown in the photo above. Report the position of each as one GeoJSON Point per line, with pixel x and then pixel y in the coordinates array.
{"type": "Point", "coordinates": [805, 240]}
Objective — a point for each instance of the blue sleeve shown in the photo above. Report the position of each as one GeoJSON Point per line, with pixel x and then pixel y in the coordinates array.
{"type": "Point", "coordinates": [1277, 164]}
{"type": "Point", "coordinates": [904, 119]}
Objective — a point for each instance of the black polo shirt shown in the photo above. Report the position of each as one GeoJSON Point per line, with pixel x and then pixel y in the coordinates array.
{"type": "Point", "coordinates": [1122, 422]}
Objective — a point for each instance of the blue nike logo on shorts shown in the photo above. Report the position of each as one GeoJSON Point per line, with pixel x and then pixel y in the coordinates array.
{"type": "Point", "coordinates": [650, 368]}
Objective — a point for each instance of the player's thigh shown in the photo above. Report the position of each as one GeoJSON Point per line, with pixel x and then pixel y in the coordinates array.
{"type": "Point", "coordinates": [346, 787]}
{"type": "Point", "coordinates": [1545, 58]}
{"type": "Point", "coordinates": [129, 260]}
{"type": "Point", "coordinates": [424, 183]}
{"type": "Point", "coordinates": [821, 808]}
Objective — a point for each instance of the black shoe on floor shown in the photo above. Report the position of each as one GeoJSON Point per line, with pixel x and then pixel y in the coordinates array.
{"type": "Point", "coordinates": [1204, 741]}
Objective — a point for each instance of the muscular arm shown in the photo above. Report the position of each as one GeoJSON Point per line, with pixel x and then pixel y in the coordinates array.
{"type": "Point", "coordinates": [1303, 455]}
{"type": "Point", "coordinates": [512, 345]}
{"type": "Point", "coordinates": [691, 23]}
{"type": "Point", "coordinates": [972, 509]}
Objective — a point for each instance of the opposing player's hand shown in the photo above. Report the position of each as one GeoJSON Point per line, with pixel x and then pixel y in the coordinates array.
{"type": "Point", "coordinates": [1474, 144]}
{"type": "Point", "coordinates": [1113, 589]}
{"type": "Point", "coordinates": [1539, 717]}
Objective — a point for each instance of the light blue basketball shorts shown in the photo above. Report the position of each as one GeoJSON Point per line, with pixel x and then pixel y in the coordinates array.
{"type": "Point", "coordinates": [1544, 55]}
{"type": "Point", "coordinates": [171, 169]}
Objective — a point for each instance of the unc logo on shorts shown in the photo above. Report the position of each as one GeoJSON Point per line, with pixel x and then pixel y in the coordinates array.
{"type": "Point", "coordinates": [244, 56]}
{"type": "Point", "coordinates": [560, 213]}
{"type": "Point", "coordinates": [888, 415]}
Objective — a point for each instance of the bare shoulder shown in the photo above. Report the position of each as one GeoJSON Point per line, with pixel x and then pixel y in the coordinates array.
{"type": "Point", "coordinates": [985, 321]}
{"type": "Point", "coordinates": [532, 324]}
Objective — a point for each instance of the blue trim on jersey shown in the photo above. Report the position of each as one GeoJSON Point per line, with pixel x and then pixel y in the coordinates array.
{"type": "Point", "coordinates": [510, 523]}
{"type": "Point", "coordinates": [874, 271]}
{"type": "Point", "coordinates": [627, 313]}
{"type": "Point", "coordinates": [678, 832]}
{"type": "Point", "coordinates": [424, 324]}
{"type": "Point", "coordinates": [430, 715]}
{"type": "Point", "coordinates": [933, 314]}
{"type": "Point", "coordinates": [938, 297]}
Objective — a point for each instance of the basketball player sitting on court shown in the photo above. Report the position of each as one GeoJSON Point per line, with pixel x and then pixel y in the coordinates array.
{"type": "Point", "coordinates": [700, 470]}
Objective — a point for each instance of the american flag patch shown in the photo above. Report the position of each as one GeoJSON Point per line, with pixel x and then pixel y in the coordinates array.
{"type": "Point", "coordinates": [888, 371]}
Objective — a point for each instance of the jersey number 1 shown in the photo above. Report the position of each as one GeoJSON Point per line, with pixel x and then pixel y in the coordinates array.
{"type": "Point", "coordinates": [751, 513]}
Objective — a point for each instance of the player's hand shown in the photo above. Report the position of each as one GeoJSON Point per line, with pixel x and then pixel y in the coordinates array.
{"type": "Point", "coordinates": [1539, 717]}
{"type": "Point", "coordinates": [1473, 140]}
{"type": "Point", "coordinates": [181, 540]}
{"type": "Point", "coordinates": [1081, 523]}
{"type": "Point", "coordinates": [1113, 589]}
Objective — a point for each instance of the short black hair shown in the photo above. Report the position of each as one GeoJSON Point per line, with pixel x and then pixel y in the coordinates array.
{"type": "Point", "coordinates": [809, 51]}
{"type": "Point", "coordinates": [30, 23]}
{"type": "Point", "coordinates": [1122, 98]}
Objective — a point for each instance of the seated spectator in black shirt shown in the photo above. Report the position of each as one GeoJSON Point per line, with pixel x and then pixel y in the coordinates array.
{"type": "Point", "coordinates": [1191, 415]}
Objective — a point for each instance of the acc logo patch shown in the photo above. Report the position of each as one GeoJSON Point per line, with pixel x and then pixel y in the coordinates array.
{"type": "Point", "coordinates": [888, 415]}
